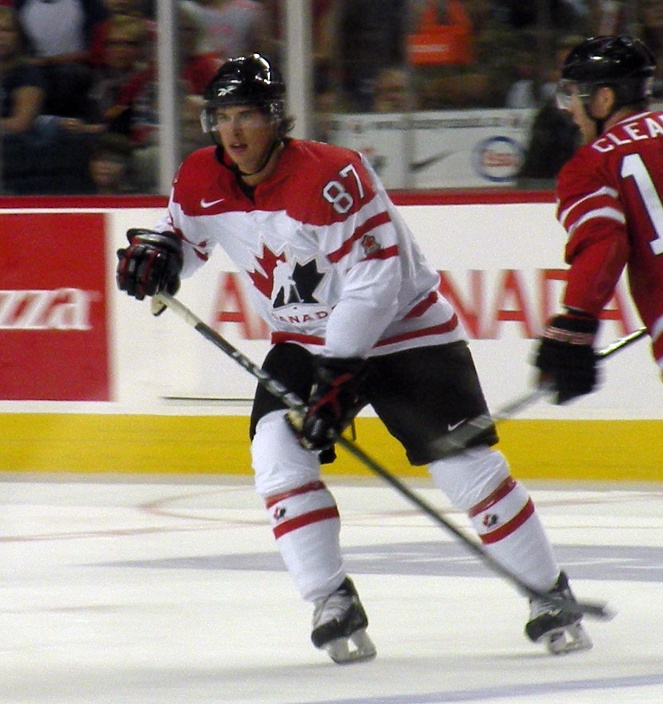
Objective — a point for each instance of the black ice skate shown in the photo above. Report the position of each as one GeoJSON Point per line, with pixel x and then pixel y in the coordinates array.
{"type": "Point", "coordinates": [560, 629]}
{"type": "Point", "coordinates": [338, 620]}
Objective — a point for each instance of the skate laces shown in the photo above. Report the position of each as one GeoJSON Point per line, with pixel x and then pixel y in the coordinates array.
{"type": "Point", "coordinates": [334, 606]}
{"type": "Point", "coordinates": [561, 589]}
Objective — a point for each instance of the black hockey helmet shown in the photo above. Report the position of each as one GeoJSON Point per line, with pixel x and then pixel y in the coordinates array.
{"type": "Point", "coordinates": [622, 62]}
{"type": "Point", "coordinates": [244, 80]}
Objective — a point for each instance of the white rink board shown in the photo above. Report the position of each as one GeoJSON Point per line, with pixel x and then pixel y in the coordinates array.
{"type": "Point", "coordinates": [160, 365]}
{"type": "Point", "coordinates": [489, 239]}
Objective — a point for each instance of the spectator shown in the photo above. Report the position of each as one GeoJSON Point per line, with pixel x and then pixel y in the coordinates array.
{"type": "Point", "coordinates": [524, 92]}
{"type": "Point", "coordinates": [139, 97]}
{"type": "Point", "coordinates": [123, 62]}
{"type": "Point", "coordinates": [484, 80]}
{"type": "Point", "coordinates": [110, 164]}
{"type": "Point", "coordinates": [554, 136]}
{"type": "Point", "coordinates": [137, 111]}
{"type": "Point", "coordinates": [22, 92]}
{"type": "Point", "coordinates": [119, 9]}
{"type": "Point", "coordinates": [650, 19]}
{"type": "Point", "coordinates": [324, 19]}
{"type": "Point", "coordinates": [124, 44]}
{"type": "Point", "coordinates": [371, 36]}
{"type": "Point", "coordinates": [60, 34]}
{"type": "Point", "coordinates": [553, 140]}
{"type": "Point", "coordinates": [391, 90]}
{"type": "Point", "coordinates": [559, 15]}
{"type": "Point", "coordinates": [511, 40]}
{"type": "Point", "coordinates": [234, 27]}
{"type": "Point", "coordinates": [23, 86]}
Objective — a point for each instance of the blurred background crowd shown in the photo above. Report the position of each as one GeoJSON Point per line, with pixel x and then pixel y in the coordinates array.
{"type": "Point", "coordinates": [80, 79]}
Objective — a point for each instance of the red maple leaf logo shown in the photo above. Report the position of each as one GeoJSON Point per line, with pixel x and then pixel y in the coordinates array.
{"type": "Point", "coordinates": [264, 281]}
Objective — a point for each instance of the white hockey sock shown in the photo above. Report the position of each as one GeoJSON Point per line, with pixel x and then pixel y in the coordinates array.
{"type": "Point", "coordinates": [479, 482]}
{"type": "Point", "coordinates": [306, 526]}
{"type": "Point", "coordinates": [511, 531]}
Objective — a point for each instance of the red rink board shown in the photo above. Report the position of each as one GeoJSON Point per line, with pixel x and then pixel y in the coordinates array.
{"type": "Point", "coordinates": [53, 308]}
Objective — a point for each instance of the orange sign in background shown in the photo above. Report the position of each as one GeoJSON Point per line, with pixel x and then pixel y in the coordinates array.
{"type": "Point", "coordinates": [53, 309]}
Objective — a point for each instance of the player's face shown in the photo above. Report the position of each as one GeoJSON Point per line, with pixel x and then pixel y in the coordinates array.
{"type": "Point", "coordinates": [246, 134]}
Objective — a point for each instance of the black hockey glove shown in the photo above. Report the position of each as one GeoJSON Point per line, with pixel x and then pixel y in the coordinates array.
{"type": "Point", "coordinates": [566, 355]}
{"type": "Point", "coordinates": [151, 263]}
{"type": "Point", "coordinates": [333, 403]}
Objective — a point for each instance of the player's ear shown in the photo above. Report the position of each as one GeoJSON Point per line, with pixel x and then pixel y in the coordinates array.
{"type": "Point", "coordinates": [604, 101]}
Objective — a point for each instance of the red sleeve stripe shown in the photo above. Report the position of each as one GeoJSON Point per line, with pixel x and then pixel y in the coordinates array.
{"type": "Point", "coordinates": [370, 224]}
{"type": "Point", "coordinates": [441, 329]}
{"type": "Point", "coordinates": [603, 203]}
{"type": "Point", "coordinates": [605, 213]}
{"type": "Point", "coordinates": [422, 306]}
{"type": "Point", "coordinates": [450, 325]}
{"type": "Point", "coordinates": [604, 192]}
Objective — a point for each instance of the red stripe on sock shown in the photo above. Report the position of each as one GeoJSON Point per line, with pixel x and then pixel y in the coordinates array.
{"type": "Point", "coordinates": [312, 486]}
{"type": "Point", "coordinates": [510, 527]}
{"type": "Point", "coordinates": [502, 490]}
{"type": "Point", "coordinates": [321, 514]}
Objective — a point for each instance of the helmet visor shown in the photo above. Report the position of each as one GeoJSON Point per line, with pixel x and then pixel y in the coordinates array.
{"type": "Point", "coordinates": [214, 117]}
{"type": "Point", "coordinates": [567, 90]}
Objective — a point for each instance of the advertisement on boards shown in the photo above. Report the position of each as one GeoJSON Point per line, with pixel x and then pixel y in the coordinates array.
{"type": "Point", "coordinates": [459, 149]}
{"type": "Point", "coordinates": [53, 319]}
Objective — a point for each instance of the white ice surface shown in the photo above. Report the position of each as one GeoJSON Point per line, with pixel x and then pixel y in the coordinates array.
{"type": "Point", "coordinates": [168, 591]}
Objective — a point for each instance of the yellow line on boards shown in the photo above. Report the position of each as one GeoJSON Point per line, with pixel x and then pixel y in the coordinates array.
{"type": "Point", "coordinates": [621, 450]}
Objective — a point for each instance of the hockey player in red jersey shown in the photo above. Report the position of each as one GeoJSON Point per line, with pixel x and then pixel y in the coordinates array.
{"type": "Point", "coordinates": [609, 201]}
{"type": "Point", "coordinates": [356, 318]}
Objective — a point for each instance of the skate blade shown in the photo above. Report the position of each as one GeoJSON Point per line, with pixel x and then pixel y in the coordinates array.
{"type": "Point", "coordinates": [568, 640]}
{"type": "Point", "coordinates": [339, 649]}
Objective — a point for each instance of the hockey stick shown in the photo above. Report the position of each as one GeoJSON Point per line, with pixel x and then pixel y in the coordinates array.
{"type": "Point", "coordinates": [293, 401]}
{"type": "Point", "coordinates": [459, 439]}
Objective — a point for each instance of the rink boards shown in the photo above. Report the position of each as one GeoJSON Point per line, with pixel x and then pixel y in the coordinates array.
{"type": "Point", "coordinates": [91, 382]}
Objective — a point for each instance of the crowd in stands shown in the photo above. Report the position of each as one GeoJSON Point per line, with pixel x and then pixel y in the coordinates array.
{"type": "Point", "coordinates": [79, 79]}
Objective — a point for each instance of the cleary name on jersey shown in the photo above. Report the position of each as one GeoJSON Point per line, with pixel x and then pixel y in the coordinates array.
{"type": "Point", "coordinates": [609, 201]}
{"type": "Point", "coordinates": [330, 263]}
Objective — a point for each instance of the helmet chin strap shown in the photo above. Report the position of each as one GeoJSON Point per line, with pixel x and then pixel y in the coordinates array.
{"type": "Point", "coordinates": [268, 156]}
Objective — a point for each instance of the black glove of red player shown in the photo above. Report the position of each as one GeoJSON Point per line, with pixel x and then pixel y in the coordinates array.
{"type": "Point", "coordinates": [151, 263]}
{"type": "Point", "coordinates": [333, 403]}
{"type": "Point", "coordinates": [566, 355]}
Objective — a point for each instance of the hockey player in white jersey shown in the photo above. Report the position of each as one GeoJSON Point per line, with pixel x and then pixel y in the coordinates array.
{"type": "Point", "coordinates": [356, 318]}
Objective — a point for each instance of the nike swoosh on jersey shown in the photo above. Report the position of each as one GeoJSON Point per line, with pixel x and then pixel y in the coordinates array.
{"type": "Point", "coordinates": [209, 203]}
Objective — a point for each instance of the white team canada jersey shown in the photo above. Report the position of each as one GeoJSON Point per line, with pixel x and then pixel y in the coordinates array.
{"type": "Point", "coordinates": [329, 262]}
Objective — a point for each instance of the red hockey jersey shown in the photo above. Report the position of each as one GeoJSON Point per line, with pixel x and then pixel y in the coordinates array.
{"type": "Point", "coordinates": [609, 201]}
{"type": "Point", "coordinates": [329, 262]}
